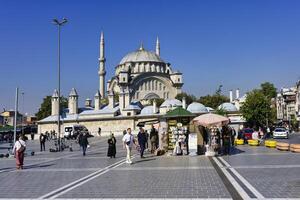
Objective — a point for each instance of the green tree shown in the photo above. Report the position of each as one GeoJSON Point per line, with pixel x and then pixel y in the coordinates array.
{"type": "Point", "coordinates": [268, 89]}
{"type": "Point", "coordinates": [159, 101]}
{"type": "Point", "coordinates": [257, 108]}
{"type": "Point", "coordinates": [214, 100]}
{"type": "Point", "coordinates": [45, 109]}
{"type": "Point", "coordinates": [189, 98]}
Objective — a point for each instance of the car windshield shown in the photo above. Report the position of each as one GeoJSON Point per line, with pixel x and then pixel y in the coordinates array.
{"type": "Point", "coordinates": [248, 131]}
{"type": "Point", "coordinates": [68, 129]}
{"type": "Point", "coordinates": [279, 130]}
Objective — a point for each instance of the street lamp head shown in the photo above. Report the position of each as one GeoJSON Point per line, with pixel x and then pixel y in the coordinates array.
{"type": "Point", "coordinates": [59, 23]}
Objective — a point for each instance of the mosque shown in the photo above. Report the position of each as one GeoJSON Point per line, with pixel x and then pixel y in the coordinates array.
{"type": "Point", "coordinates": [140, 76]}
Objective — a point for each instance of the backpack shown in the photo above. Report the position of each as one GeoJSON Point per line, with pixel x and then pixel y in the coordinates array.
{"type": "Point", "coordinates": [22, 148]}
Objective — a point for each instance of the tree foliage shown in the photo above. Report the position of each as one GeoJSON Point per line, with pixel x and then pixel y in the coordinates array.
{"type": "Point", "coordinates": [257, 108]}
{"type": "Point", "coordinates": [45, 108]}
{"type": "Point", "coordinates": [188, 98]}
{"type": "Point", "coordinates": [268, 89]}
{"type": "Point", "coordinates": [159, 101]}
{"type": "Point", "coordinates": [214, 100]}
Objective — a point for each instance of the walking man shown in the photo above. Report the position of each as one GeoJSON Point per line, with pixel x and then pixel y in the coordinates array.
{"type": "Point", "coordinates": [128, 142]}
{"type": "Point", "coordinates": [83, 139]}
{"type": "Point", "coordinates": [142, 139]}
{"type": "Point", "coordinates": [42, 141]}
{"type": "Point", "coordinates": [153, 139]}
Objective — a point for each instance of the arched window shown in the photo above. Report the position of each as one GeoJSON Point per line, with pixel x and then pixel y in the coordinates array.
{"type": "Point", "coordinates": [155, 85]}
{"type": "Point", "coordinates": [152, 85]}
{"type": "Point", "coordinates": [160, 86]}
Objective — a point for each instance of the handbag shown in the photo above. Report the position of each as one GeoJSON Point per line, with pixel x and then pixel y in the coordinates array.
{"type": "Point", "coordinates": [22, 148]}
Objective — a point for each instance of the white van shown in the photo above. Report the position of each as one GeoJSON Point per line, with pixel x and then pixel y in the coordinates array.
{"type": "Point", "coordinates": [72, 131]}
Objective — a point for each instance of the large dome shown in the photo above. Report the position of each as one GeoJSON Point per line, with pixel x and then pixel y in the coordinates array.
{"type": "Point", "coordinates": [229, 107]}
{"type": "Point", "coordinates": [196, 107]}
{"type": "Point", "coordinates": [141, 55]}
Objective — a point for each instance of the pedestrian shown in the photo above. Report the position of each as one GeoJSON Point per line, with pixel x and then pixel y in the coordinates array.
{"type": "Point", "coordinates": [128, 142]}
{"type": "Point", "coordinates": [226, 136]}
{"type": "Point", "coordinates": [186, 141]}
{"type": "Point", "coordinates": [142, 139]}
{"type": "Point", "coordinates": [42, 141]}
{"type": "Point", "coordinates": [147, 139]}
{"type": "Point", "coordinates": [99, 131]}
{"type": "Point", "coordinates": [124, 132]}
{"type": "Point", "coordinates": [19, 150]}
{"type": "Point", "coordinates": [111, 152]}
{"type": "Point", "coordinates": [32, 135]}
{"type": "Point", "coordinates": [83, 139]}
{"type": "Point", "coordinates": [153, 139]}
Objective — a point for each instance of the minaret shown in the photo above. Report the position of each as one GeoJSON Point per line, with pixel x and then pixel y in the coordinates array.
{"type": "Point", "coordinates": [73, 102]}
{"type": "Point", "coordinates": [157, 50]}
{"type": "Point", "coordinates": [54, 103]}
{"type": "Point", "coordinates": [97, 100]}
{"type": "Point", "coordinates": [102, 71]}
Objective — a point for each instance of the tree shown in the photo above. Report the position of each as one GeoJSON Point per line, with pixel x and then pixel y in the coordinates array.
{"type": "Point", "coordinates": [45, 109]}
{"type": "Point", "coordinates": [159, 101]}
{"type": "Point", "coordinates": [188, 98]}
{"type": "Point", "coordinates": [214, 100]}
{"type": "Point", "coordinates": [257, 108]}
{"type": "Point", "coordinates": [268, 89]}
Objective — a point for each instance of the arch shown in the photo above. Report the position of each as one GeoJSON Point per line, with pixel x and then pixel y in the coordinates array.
{"type": "Point", "coordinates": [151, 96]}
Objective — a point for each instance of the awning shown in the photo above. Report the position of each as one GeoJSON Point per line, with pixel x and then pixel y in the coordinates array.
{"type": "Point", "coordinates": [148, 122]}
{"type": "Point", "coordinates": [179, 112]}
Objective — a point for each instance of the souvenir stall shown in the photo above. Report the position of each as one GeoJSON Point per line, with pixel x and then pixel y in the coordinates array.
{"type": "Point", "coordinates": [212, 122]}
{"type": "Point", "coordinates": [178, 121]}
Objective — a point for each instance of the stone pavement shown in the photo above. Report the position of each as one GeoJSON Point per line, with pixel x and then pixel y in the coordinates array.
{"type": "Point", "coordinates": [252, 172]}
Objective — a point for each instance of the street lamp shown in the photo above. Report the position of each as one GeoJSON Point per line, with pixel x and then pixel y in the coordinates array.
{"type": "Point", "coordinates": [59, 24]}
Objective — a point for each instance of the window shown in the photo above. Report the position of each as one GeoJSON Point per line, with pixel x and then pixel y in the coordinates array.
{"type": "Point", "coordinates": [129, 114]}
{"type": "Point", "coordinates": [124, 79]}
{"type": "Point", "coordinates": [159, 86]}
{"type": "Point", "coordinates": [178, 79]}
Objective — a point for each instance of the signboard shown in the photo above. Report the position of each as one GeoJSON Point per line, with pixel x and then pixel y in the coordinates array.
{"type": "Point", "coordinates": [193, 144]}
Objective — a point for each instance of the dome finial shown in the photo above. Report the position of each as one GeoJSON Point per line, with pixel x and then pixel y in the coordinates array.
{"type": "Point", "coordinates": [141, 47]}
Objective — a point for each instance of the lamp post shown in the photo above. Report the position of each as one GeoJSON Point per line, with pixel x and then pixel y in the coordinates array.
{"type": "Point", "coordinates": [59, 24]}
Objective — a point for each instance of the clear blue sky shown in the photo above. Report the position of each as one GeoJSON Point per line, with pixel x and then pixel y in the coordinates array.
{"type": "Point", "coordinates": [238, 44]}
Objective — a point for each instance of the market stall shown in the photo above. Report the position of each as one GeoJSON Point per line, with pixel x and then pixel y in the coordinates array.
{"type": "Point", "coordinates": [212, 122]}
{"type": "Point", "coordinates": [178, 121]}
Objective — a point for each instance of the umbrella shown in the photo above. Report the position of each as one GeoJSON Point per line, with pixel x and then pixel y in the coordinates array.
{"type": "Point", "coordinates": [210, 119]}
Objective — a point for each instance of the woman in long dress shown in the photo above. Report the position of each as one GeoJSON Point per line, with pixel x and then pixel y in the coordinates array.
{"type": "Point", "coordinates": [19, 150]}
{"type": "Point", "coordinates": [111, 146]}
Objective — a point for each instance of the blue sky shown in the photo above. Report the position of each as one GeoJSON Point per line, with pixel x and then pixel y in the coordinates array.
{"type": "Point", "coordinates": [238, 44]}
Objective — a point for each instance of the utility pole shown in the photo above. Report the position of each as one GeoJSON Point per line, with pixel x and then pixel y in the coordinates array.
{"type": "Point", "coordinates": [59, 24]}
{"type": "Point", "coordinates": [16, 114]}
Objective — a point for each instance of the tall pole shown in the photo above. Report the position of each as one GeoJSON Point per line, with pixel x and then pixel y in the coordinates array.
{"type": "Point", "coordinates": [23, 111]}
{"type": "Point", "coordinates": [16, 114]}
{"type": "Point", "coordinates": [58, 118]}
{"type": "Point", "coordinates": [59, 24]}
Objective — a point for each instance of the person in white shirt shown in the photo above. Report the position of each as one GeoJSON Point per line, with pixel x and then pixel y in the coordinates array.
{"type": "Point", "coordinates": [19, 150]}
{"type": "Point", "coordinates": [255, 135]}
{"type": "Point", "coordinates": [128, 142]}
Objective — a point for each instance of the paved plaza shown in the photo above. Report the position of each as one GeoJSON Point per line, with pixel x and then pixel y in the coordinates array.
{"type": "Point", "coordinates": [251, 172]}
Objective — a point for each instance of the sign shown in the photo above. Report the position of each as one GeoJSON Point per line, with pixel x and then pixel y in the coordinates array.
{"type": "Point", "coordinates": [193, 144]}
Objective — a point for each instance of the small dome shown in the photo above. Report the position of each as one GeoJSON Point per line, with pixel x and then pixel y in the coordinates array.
{"type": "Point", "coordinates": [171, 103]}
{"type": "Point", "coordinates": [196, 107]}
{"type": "Point", "coordinates": [229, 107]}
{"type": "Point", "coordinates": [141, 55]}
{"type": "Point", "coordinates": [147, 110]}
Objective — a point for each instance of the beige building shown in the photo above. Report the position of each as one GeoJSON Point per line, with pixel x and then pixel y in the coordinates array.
{"type": "Point", "coordinates": [140, 76]}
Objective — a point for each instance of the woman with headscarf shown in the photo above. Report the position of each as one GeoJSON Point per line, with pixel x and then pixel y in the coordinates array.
{"type": "Point", "coordinates": [19, 150]}
{"type": "Point", "coordinates": [111, 146]}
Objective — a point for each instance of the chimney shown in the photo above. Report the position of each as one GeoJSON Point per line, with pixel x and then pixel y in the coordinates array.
{"type": "Point", "coordinates": [155, 110]}
{"type": "Point", "coordinates": [231, 96]}
{"type": "Point", "coordinates": [88, 103]}
{"type": "Point", "coordinates": [97, 100]}
{"type": "Point", "coordinates": [184, 103]}
{"type": "Point", "coordinates": [237, 93]}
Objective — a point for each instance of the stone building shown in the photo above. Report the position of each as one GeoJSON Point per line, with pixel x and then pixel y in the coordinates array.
{"type": "Point", "coordinates": [139, 77]}
{"type": "Point", "coordinates": [287, 103]}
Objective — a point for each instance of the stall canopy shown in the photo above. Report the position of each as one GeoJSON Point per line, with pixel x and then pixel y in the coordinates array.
{"type": "Point", "coordinates": [210, 119]}
{"type": "Point", "coordinates": [148, 122]}
{"type": "Point", "coordinates": [179, 112]}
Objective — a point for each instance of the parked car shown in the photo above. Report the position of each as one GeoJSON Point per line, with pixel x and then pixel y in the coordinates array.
{"type": "Point", "coordinates": [281, 132]}
{"type": "Point", "coordinates": [247, 133]}
{"type": "Point", "coordinates": [72, 131]}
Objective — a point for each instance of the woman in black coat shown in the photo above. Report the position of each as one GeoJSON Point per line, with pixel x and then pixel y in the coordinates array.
{"type": "Point", "coordinates": [111, 146]}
